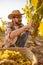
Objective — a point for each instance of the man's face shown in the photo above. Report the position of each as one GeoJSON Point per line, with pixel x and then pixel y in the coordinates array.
{"type": "Point", "coordinates": [17, 19]}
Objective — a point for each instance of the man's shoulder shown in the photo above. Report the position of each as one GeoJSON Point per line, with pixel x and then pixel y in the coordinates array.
{"type": "Point", "coordinates": [9, 24]}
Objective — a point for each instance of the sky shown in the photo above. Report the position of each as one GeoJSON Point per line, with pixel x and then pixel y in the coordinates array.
{"type": "Point", "coordinates": [7, 6]}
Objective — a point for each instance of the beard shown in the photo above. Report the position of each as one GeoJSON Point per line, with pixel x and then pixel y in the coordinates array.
{"type": "Point", "coordinates": [19, 22]}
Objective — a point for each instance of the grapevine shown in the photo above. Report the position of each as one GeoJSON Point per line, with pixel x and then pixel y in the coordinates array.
{"type": "Point", "coordinates": [34, 15]}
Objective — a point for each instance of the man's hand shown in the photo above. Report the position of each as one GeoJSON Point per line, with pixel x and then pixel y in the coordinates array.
{"type": "Point", "coordinates": [27, 27]}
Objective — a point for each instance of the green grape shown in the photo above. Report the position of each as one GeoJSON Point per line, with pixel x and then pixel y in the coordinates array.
{"type": "Point", "coordinates": [16, 56]}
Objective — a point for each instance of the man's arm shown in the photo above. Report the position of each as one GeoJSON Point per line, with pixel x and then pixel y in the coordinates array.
{"type": "Point", "coordinates": [14, 34]}
{"type": "Point", "coordinates": [17, 32]}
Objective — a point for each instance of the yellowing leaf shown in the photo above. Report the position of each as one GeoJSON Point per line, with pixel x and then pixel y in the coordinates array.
{"type": "Point", "coordinates": [34, 3]}
{"type": "Point", "coordinates": [2, 28]}
{"type": "Point", "coordinates": [41, 29]}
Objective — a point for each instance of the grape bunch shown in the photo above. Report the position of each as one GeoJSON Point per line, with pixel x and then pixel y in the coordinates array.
{"type": "Point", "coordinates": [8, 57]}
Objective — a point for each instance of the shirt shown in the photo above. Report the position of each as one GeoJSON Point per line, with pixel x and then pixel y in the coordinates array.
{"type": "Point", "coordinates": [9, 28]}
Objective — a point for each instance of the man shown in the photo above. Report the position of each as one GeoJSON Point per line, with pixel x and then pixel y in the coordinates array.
{"type": "Point", "coordinates": [14, 29]}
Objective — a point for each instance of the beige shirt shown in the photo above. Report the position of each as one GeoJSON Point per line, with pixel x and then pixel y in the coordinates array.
{"type": "Point", "coordinates": [9, 29]}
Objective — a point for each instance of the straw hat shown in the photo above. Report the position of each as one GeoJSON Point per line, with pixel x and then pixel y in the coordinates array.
{"type": "Point", "coordinates": [14, 14]}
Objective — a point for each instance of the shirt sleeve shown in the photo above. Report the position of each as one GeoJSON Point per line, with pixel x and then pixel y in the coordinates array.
{"type": "Point", "coordinates": [7, 40]}
{"type": "Point", "coordinates": [7, 28]}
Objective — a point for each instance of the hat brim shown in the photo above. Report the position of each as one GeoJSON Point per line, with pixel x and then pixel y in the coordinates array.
{"type": "Point", "coordinates": [10, 16]}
